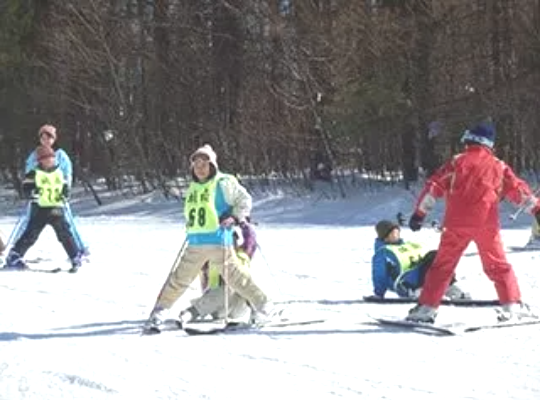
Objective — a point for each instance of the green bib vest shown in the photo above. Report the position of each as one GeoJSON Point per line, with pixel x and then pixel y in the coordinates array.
{"type": "Point", "coordinates": [199, 210]}
{"type": "Point", "coordinates": [213, 273]}
{"type": "Point", "coordinates": [50, 185]}
{"type": "Point", "coordinates": [408, 255]}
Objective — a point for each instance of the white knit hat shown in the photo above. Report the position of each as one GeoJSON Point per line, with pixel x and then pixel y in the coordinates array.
{"type": "Point", "coordinates": [207, 151]}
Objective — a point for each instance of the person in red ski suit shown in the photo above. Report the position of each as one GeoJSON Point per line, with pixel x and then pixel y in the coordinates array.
{"type": "Point", "coordinates": [473, 183]}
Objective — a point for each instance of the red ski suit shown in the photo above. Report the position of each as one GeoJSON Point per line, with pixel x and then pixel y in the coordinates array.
{"type": "Point", "coordinates": [473, 183]}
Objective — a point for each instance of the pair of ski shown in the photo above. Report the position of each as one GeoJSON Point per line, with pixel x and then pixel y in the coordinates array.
{"type": "Point", "coordinates": [448, 329]}
{"type": "Point", "coordinates": [213, 328]}
{"type": "Point", "coordinates": [221, 327]}
{"type": "Point", "coordinates": [31, 269]}
{"type": "Point", "coordinates": [33, 261]}
{"type": "Point", "coordinates": [443, 329]}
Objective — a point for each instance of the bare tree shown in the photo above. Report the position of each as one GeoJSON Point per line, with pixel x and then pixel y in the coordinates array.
{"type": "Point", "coordinates": [278, 87]}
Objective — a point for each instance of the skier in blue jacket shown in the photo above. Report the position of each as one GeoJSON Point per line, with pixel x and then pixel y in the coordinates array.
{"type": "Point", "coordinates": [400, 266]}
{"type": "Point", "coordinates": [47, 137]}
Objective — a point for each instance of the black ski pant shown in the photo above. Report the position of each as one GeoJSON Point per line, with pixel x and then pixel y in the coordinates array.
{"type": "Point", "coordinates": [426, 262]}
{"type": "Point", "coordinates": [41, 217]}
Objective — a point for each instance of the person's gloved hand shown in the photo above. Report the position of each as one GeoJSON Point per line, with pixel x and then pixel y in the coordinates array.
{"type": "Point", "coordinates": [249, 238]}
{"type": "Point", "coordinates": [66, 192]}
{"type": "Point", "coordinates": [244, 225]}
{"type": "Point", "coordinates": [415, 222]}
{"type": "Point", "coordinates": [228, 222]}
{"type": "Point", "coordinates": [29, 190]}
{"type": "Point", "coordinates": [34, 194]}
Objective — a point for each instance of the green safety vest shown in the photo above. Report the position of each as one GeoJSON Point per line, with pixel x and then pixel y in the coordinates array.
{"type": "Point", "coordinates": [408, 254]}
{"type": "Point", "coordinates": [199, 210]}
{"type": "Point", "coordinates": [50, 185]}
{"type": "Point", "coordinates": [213, 272]}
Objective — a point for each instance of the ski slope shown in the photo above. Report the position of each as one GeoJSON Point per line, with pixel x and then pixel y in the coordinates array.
{"type": "Point", "coordinates": [66, 336]}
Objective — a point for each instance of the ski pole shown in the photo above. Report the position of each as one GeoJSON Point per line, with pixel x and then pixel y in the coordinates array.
{"type": "Point", "coordinates": [524, 205]}
{"type": "Point", "coordinates": [517, 213]}
{"type": "Point", "coordinates": [225, 279]}
{"type": "Point", "coordinates": [173, 268]}
{"type": "Point", "coordinates": [521, 208]}
{"type": "Point", "coordinates": [71, 220]}
{"type": "Point", "coordinates": [16, 232]}
{"type": "Point", "coordinates": [269, 270]}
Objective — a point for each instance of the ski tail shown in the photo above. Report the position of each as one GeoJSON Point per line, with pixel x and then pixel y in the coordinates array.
{"type": "Point", "coordinates": [411, 300]}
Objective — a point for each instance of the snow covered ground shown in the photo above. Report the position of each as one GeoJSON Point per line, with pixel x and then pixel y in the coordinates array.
{"type": "Point", "coordinates": [77, 336]}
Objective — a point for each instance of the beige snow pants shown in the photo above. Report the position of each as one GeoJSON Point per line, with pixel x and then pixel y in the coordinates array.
{"type": "Point", "coordinates": [212, 302]}
{"type": "Point", "coordinates": [239, 279]}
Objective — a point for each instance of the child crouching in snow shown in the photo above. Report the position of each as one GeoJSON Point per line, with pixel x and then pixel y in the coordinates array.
{"type": "Point", "coordinates": [212, 302]}
{"type": "Point", "coordinates": [400, 266]}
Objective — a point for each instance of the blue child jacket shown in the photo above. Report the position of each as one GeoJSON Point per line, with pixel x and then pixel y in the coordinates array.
{"type": "Point", "coordinates": [386, 268]}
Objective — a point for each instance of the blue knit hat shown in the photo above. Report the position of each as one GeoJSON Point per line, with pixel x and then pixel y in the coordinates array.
{"type": "Point", "coordinates": [483, 134]}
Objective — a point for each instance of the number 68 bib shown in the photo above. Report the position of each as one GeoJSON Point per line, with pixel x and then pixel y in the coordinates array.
{"type": "Point", "coordinates": [200, 211]}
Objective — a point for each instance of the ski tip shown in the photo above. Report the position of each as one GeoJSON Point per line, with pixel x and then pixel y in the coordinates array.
{"type": "Point", "coordinates": [150, 331]}
{"type": "Point", "coordinates": [200, 332]}
{"type": "Point", "coordinates": [46, 271]}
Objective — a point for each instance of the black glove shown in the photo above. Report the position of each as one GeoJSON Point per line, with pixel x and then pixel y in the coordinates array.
{"type": "Point", "coordinates": [415, 222]}
{"type": "Point", "coordinates": [66, 192]}
{"type": "Point", "coordinates": [30, 191]}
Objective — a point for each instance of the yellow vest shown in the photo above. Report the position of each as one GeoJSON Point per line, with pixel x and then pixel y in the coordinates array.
{"type": "Point", "coordinates": [50, 185]}
{"type": "Point", "coordinates": [408, 254]}
{"type": "Point", "coordinates": [199, 210]}
{"type": "Point", "coordinates": [213, 272]}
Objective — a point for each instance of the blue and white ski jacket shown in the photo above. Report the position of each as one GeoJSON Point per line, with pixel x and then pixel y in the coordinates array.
{"type": "Point", "coordinates": [386, 268]}
{"type": "Point", "coordinates": [62, 160]}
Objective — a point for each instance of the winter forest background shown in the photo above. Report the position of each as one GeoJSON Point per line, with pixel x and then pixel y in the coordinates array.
{"type": "Point", "coordinates": [278, 87]}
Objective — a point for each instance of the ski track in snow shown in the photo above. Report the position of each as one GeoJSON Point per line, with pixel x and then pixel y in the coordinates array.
{"type": "Point", "coordinates": [77, 336]}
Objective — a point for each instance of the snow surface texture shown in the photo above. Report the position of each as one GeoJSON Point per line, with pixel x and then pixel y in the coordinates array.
{"type": "Point", "coordinates": [66, 336]}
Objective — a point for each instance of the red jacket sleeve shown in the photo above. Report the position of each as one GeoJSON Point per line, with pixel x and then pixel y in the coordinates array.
{"type": "Point", "coordinates": [436, 187]}
{"type": "Point", "coordinates": [518, 191]}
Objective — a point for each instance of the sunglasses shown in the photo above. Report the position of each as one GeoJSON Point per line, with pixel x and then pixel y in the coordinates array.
{"type": "Point", "coordinates": [200, 160]}
{"type": "Point", "coordinates": [47, 135]}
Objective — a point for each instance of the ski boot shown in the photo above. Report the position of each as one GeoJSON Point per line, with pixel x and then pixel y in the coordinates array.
{"type": "Point", "coordinates": [422, 314]}
{"type": "Point", "coordinates": [514, 311]}
{"type": "Point", "coordinates": [155, 323]}
{"type": "Point", "coordinates": [186, 316]}
{"type": "Point", "coordinates": [455, 293]}
{"type": "Point", "coordinates": [15, 262]}
{"type": "Point", "coordinates": [533, 243]}
{"type": "Point", "coordinates": [268, 314]}
{"type": "Point", "coordinates": [76, 263]}
{"type": "Point", "coordinates": [85, 254]}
